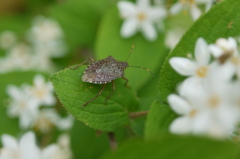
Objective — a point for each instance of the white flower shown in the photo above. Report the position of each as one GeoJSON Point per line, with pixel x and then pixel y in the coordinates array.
{"type": "Point", "coordinates": [20, 57]}
{"type": "Point", "coordinates": [197, 69]}
{"type": "Point", "coordinates": [46, 119]}
{"type": "Point", "coordinates": [26, 148]}
{"type": "Point", "coordinates": [58, 151]}
{"type": "Point", "coordinates": [226, 52]}
{"type": "Point", "coordinates": [173, 37]}
{"type": "Point", "coordinates": [140, 17]}
{"type": "Point", "coordinates": [208, 4]}
{"type": "Point", "coordinates": [190, 5]}
{"type": "Point", "coordinates": [211, 112]}
{"type": "Point", "coordinates": [21, 105]}
{"type": "Point", "coordinates": [189, 115]}
{"type": "Point", "coordinates": [45, 30]}
{"type": "Point", "coordinates": [42, 91]}
{"type": "Point", "coordinates": [7, 39]}
{"type": "Point", "coordinates": [54, 49]}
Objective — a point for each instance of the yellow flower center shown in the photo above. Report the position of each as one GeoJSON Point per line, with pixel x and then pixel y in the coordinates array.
{"type": "Point", "coordinates": [214, 101]}
{"type": "Point", "coordinates": [235, 60]}
{"type": "Point", "coordinates": [193, 113]}
{"type": "Point", "coordinates": [39, 93]}
{"type": "Point", "coordinates": [202, 72]}
{"type": "Point", "coordinates": [43, 124]}
{"type": "Point", "coordinates": [187, 2]}
{"type": "Point", "coordinates": [141, 16]}
{"type": "Point", "coordinates": [22, 104]}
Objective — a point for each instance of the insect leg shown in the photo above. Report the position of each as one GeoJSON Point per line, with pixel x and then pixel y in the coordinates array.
{"type": "Point", "coordinates": [74, 68]}
{"type": "Point", "coordinates": [126, 82]}
{"type": "Point", "coordinates": [95, 96]}
{"type": "Point", "coordinates": [113, 86]}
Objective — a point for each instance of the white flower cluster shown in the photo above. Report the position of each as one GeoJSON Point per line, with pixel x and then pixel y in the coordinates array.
{"type": "Point", "coordinates": [191, 6]}
{"type": "Point", "coordinates": [209, 99]}
{"type": "Point", "coordinates": [25, 102]}
{"type": "Point", "coordinates": [144, 18]}
{"type": "Point", "coordinates": [27, 148]}
{"type": "Point", "coordinates": [141, 17]}
{"type": "Point", "coordinates": [44, 40]}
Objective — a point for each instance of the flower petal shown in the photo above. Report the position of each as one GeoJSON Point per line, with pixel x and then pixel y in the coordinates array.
{"type": "Point", "coordinates": [149, 31]}
{"type": "Point", "coordinates": [38, 80]}
{"type": "Point", "coordinates": [28, 146]}
{"type": "Point", "coordinates": [201, 53]}
{"type": "Point", "coordinates": [191, 88]}
{"type": "Point", "coordinates": [129, 28]}
{"type": "Point", "coordinates": [9, 142]}
{"type": "Point", "coordinates": [178, 104]}
{"type": "Point", "coordinates": [65, 123]}
{"type": "Point", "coordinates": [143, 3]}
{"type": "Point", "coordinates": [215, 50]}
{"type": "Point", "coordinates": [50, 152]}
{"type": "Point", "coordinates": [232, 43]}
{"type": "Point", "coordinates": [126, 9]}
{"type": "Point", "coordinates": [176, 8]}
{"type": "Point", "coordinates": [183, 66]}
{"type": "Point", "coordinates": [156, 13]}
{"type": "Point", "coordinates": [195, 12]}
{"type": "Point", "coordinates": [14, 92]}
{"type": "Point", "coordinates": [181, 125]}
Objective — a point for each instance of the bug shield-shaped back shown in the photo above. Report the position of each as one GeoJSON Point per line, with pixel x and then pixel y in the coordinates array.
{"type": "Point", "coordinates": [104, 71]}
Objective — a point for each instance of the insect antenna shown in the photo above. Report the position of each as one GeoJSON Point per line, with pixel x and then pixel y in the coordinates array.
{"type": "Point", "coordinates": [144, 69]}
{"type": "Point", "coordinates": [130, 52]}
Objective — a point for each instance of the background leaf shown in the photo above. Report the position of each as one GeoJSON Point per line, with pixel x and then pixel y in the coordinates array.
{"type": "Point", "coordinates": [223, 20]}
{"type": "Point", "coordinates": [73, 93]}
{"type": "Point", "coordinates": [79, 19]}
{"type": "Point", "coordinates": [172, 147]}
{"type": "Point", "coordinates": [159, 118]}
{"type": "Point", "coordinates": [145, 54]}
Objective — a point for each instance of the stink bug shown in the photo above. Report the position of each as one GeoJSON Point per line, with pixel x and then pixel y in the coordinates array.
{"type": "Point", "coordinates": [105, 71]}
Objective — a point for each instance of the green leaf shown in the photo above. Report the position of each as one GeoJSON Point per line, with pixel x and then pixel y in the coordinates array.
{"type": "Point", "coordinates": [180, 147]}
{"type": "Point", "coordinates": [159, 118]}
{"type": "Point", "coordinates": [223, 20]}
{"type": "Point", "coordinates": [145, 54]}
{"type": "Point", "coordinates": [8, 125]}
{"type": "Point", "coordinates": [73, 93]}
{"type": "Point", "coordinates": [86, 144]}
{"type": "Point", "coordinates": [79, 19]}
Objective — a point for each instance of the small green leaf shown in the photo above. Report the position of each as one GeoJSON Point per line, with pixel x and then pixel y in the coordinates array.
{"type": "Point", "coordinates": [73, 93]}
{"type": "Point", "coordinates": [145, 54]}
{"type": "Point", "coordinates": [223, 20]}
{"type": "Point", "coordinates": [180, 147]}
{"type": "Point", "coordinates": [159, 118]}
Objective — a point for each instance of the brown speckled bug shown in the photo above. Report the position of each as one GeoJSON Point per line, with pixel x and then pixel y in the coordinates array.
{"type": "Point", "coordinates": [104, 71]}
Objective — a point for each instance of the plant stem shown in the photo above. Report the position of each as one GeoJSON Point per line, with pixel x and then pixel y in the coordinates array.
{"type": "Point", "coordinates": [112, 141]}
{"type": "Point", "coordinates": [138, 114]}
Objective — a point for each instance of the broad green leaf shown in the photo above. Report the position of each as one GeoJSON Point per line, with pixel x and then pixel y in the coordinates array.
{"type": "Point", "coordinates": [159, 118]}
{"type": "Point", "coordinates": [180, 147]}
{"type": "Point", "coordinates": [223, 20]}
{"type": "Point", "coordinates": [73, 93]}
{"type": "Point", "coordinates": [145, 54]}
{"type": "Point", "coordinates": [7, 124]}
{"type": "Point", "coordinates": [79, 19]}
